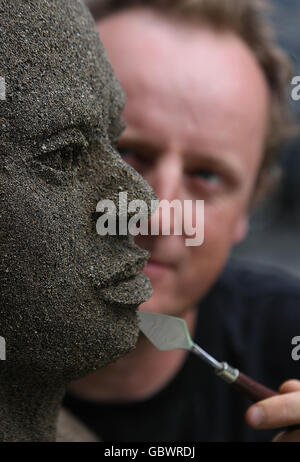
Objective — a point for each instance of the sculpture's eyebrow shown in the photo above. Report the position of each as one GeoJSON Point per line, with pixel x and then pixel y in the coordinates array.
{"type": "Point", "coordinates": [46, 117]}
{"type": "Point", "coordinates": [62, 139]}
{"type": "Point", "coordinates": [82, 131]}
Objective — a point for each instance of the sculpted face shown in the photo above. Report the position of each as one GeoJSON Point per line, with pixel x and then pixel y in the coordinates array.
{"type": "Point", "coordinates": [197, 111]}
{"type": "Point", "coordinates": [68, 296]}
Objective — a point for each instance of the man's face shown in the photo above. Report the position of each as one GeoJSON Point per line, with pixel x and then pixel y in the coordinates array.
{"type": "Point", "coordinates": [196, 114]}
{"type": "Point", "coordinates": [63, 309]}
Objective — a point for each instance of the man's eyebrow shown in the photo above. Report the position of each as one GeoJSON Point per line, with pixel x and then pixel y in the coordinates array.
{"type": "Point", "coordinates": [229, 167]}
{"type": "Point", "coordinates": [132, 139]}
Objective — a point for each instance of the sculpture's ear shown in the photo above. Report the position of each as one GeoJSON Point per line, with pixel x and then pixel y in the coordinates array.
{"type": "Point", "coordinates": [241, 229]}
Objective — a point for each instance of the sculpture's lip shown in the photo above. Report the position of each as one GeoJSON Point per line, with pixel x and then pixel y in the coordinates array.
{"type": "Point", "coordinates": [128, 285]}
{"type": "Point", "coordinates": [131, 291]}
{"type": "Point", "coordinates": [131, 269]}
{"type": "Point", "coordinates": [123, 277]}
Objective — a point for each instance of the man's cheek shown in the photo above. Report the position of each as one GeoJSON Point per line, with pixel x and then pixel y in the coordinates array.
{"type": "Point", "coordinates": [220, 225]}
{"type": "Point", "coordinates": [207, 260]}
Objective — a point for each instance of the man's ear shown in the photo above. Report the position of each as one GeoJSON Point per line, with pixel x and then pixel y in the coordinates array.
{"type": "Point", "coordinates": [241, 229]}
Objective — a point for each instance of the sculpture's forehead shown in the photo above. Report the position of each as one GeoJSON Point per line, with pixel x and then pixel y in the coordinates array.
{"type": "Point", "coordinates": [55, 68]}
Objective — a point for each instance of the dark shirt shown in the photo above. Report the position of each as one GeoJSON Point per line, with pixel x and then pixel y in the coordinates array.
{"type": "Point", "coordinates": [248, 319]}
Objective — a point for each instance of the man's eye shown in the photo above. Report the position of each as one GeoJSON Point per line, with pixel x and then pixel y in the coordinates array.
{"type": "Point", "coordinates": [207, 175]}
{"type": "Point", "coordinates": [136, 158]}
{"type": "Point", "coordinates": [64, 159]}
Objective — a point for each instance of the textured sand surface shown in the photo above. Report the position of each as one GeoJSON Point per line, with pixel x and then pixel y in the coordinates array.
{"type": "Point", "coordinates": [63, 309]}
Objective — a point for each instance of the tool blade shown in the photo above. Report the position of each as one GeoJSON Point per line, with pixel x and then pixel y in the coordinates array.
{"type": "Point", "coordinates": [165, 332]}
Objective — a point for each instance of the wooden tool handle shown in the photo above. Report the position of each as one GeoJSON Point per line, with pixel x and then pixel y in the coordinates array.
{"type": "Point", "coordinates": [249, 387]}
{"type": "Point", "coordinates": [254, 390]}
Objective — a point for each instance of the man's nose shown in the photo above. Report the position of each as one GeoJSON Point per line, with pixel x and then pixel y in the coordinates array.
{"type": "Point", "coordinates": [166, 179]}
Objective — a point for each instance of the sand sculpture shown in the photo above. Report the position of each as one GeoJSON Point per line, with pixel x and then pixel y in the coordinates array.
{"type": "Point", "coordinates": [68, 296]}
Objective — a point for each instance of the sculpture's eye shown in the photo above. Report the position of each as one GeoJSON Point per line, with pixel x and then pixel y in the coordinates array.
{"type": "Point", "coordinates": [65, 151]}
{"type": "Point", "coordinates": [65, 158]}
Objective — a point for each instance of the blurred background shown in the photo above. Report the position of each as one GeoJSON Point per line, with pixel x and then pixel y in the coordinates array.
{"type": "Point", "coordinates": [274, 235]}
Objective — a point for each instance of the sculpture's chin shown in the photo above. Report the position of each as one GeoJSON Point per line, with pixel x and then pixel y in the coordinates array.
{"type": "Point", "coordinates": [99, 351]}
{"type": "Point", "coordinates": [63, 351]}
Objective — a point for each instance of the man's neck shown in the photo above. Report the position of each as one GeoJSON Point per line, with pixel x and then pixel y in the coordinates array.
{"type": "Point", "coordinates": [137, 376]}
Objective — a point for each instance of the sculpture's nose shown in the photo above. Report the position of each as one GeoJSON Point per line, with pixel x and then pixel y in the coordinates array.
{"type": "Point", "coordinates": [129, 181]}
{"type": "Point", "coordinates": [125, 193]}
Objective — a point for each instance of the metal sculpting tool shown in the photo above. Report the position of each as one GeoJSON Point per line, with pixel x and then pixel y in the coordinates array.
{"type": "Point", "coordinates": [170, 333]}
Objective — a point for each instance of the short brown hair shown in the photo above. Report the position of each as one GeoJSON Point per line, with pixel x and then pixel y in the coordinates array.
{"type": "Point", "coordinates": [246, 19]}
